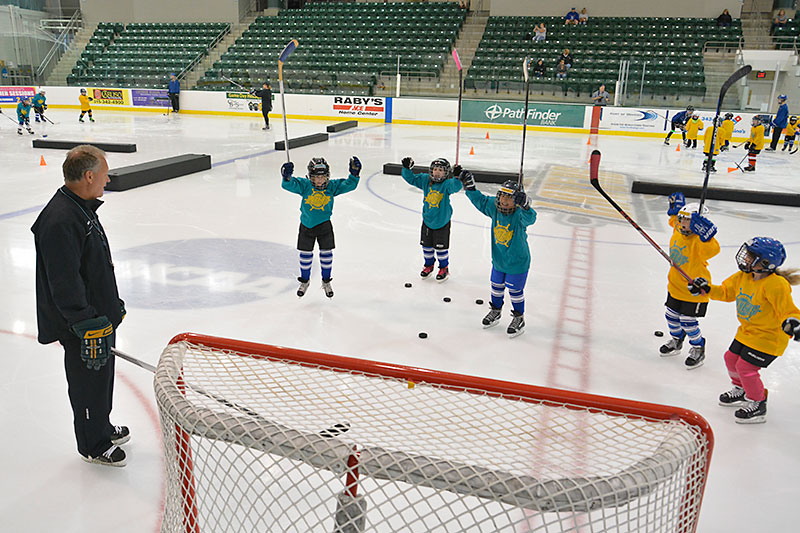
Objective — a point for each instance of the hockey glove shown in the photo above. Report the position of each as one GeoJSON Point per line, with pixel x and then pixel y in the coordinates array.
{"type": "Point", "coordinates": [698, 286]}
{"type": "Point", "coordinates": [122, 309]}
{"type": "Point", "coordinates": [457, 170]}
{"type": "Point", "coordinates": [355, 166]}
{"type": "Point", "coordinates": [522, 200]}
{"type": "Point", "coordinates": [747, 146]}
{"type": "Point", "coordinates": [408, 163]}
{"type": "Point", "coordinates": [286, 171]}
{"type": "Point", "coordinates": [91, 99]}
{"type": "Point", "coordinates": [467, 180]}
{"type": "Point", "coordinates": [704, 228]}
{"type": "Point", "coordinates": [676, 201]}
{"type": "Point", "coordinates": [791, 326]}
{"type": "Point", "coordinates": [94, 333]}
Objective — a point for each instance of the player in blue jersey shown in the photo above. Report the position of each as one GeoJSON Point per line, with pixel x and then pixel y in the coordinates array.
{"type": "Point", "coordinates": [24, 115]}
{"type": "Point", "coordinates": [437, 186]}
{"type": "Point", "coordinates": [679, 121]}
{"type": "Point", "coordinates": [317, 191]}
{"type": "Point", "coordinates": [511, 214]}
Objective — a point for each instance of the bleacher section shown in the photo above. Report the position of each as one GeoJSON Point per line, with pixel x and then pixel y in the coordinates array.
{"type": "Point", "coordinates": [785, 35]}
{"type": "Point", "coordinates": [143, 54]}
{"type": "Point", "coordinates": [672, 48]}
{"type": "Point", "coordinates": [343, 46]}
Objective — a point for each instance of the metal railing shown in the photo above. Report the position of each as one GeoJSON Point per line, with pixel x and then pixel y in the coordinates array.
{"type": "Point", "coordinates": [59, 47]}
{"type": "Point", "coordinates": [225, 31]}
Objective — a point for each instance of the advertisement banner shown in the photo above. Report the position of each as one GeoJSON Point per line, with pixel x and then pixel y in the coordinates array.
{"type": "Point", "coordinates": [150, 97]}
{"type": "Point", "coordinates": [109, 96]}
{"type": "Point", "coordinates": [359, 106]}
{"type": "Point", "coordinates": [11, 95]}
{"type": "Point", "coordinates": [539, 114]}
{"type": "Point", "coordinates": [242, 101]}
{"type": "Point", "coordinates": [660, 120]}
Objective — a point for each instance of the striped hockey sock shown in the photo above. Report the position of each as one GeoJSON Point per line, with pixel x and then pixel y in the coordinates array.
{"type": "Point", "coordinates": [305, 264]}
{"type": "Point", "coordinates": [326, 263]}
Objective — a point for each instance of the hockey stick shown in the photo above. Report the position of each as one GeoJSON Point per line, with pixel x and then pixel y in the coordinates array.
{"type": "Point", "coordinates": [594, 169]}
{"type": "Point", "coordinates": [525, 65]}
{"type": "Point", "coordinates": [9, 118]}
{"type": "Point", "coordinates": [336, 429]}
{"type": "Point", "coordinates": [290, 47]}
{"type": "Point", "coordinates": [736, 76]}
{"type": "Point", "coordinates": [460, 94]}
{"type": "Point", "coordinates": [222, 75]}
{"type": "Point", "coordinates": [794, 150]}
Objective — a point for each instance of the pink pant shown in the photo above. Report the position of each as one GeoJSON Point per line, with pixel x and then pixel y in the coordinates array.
{"type": "Point", "coordinates": [745, 375]}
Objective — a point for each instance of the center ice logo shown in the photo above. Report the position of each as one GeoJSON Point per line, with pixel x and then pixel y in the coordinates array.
{"type": "Point", "coordinates": [318, 200]}
{"type": "Point", "coordinates": [433, 199]}
{"type": "Point", "coordinates": [745, 307]}
{"type": "Point", "coordinates": [677, 255]}
{"type": "Point", "coordinates": [502, 234]}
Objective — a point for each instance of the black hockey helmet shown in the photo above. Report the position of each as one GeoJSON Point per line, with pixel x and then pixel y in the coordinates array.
{"type": "Point", "coordinates": [756, 120]}
{"type": "Point", "coordinates": [689, 109]}
{"type": "Point", "coordinates": [83, 91]}
{"type": "Point", "coordinates": [728, 116]}
{"type": "Point", "coordinates": [793, 120]}
{"type": "Point", "coordinates": [443, 164]}
{"type": "Point", "coordinates": [509, 188]}
{"type": "Point", "coordinates": [319, 172]}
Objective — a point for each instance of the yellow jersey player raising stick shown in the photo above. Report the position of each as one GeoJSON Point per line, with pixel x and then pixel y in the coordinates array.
{"type": "Point", "coordinates": [768, 318]}
{"type": "Point", "coordinates": [755, 144]}
{"type": "Point", "coordinates": [693, 243]}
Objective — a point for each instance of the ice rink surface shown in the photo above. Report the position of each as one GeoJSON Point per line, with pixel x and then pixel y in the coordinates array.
{"type": "Point", "coordinates": [214, 253]}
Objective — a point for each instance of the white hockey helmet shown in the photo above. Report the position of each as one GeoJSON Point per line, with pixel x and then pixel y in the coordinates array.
{"type": "Point", "coordinates": [686, 214]}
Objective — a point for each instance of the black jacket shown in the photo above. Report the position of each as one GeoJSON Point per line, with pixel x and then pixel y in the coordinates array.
{"type": "Point", "coordinates": [567, 59]}
{"type": "Point", "coordinates": [74, 273]}
{"type": "Point", "coordinates": [266, 98]}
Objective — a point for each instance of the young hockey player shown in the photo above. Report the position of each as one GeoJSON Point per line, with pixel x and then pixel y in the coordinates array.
{"type": "Point", "coordinates": [679, 121]}
{"type": "Point", "coordinates": [691, 246]}
{"type": "Point", "coordinates": [725, 133]}
{"type": "Point", "coordinates": [24, 115]}
{"type": "Point", "coordinates": [791, 132]}
{"type": "Point", "coordinates": [511, 214]}
{"type": "Point", "coordinates": [766, 314]}
{"type": "Point", "coordinates": [755, 144]}
{"type": "Point", "coordinates": [85, 107]}
{"type": "Point", "coordinates": [436, 186]}
{"type": "Point", "coordinates": [317, 191]}
{"type": "Point", "coordinates": [693, 128]}
{"type": "Point", "coordinates": [707, 138]}
{"type": "Point", "coordinates": [39, 104]}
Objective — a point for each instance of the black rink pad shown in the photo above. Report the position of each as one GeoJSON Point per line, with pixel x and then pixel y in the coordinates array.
{"type": "Point", "coordinates": [68, 145]}
{"type": "Point", "coordinates": [483, 176]}
{"type": "Point", "coordinates": [142, 174]}
{"type": "Point", "coordinates": [297, 142]}
{"type": "Point", "coordinates": [730, 195]}
{"type": "Point", "coordinates": [340, 126]}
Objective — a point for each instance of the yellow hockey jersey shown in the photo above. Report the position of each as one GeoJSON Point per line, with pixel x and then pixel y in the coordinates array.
{"type": "Point", "coordinates": [692, 255]}
{"type": "Point", "coordinates": [757, 140]}
{"type": "Point", "coordinates": [693, 127]}
{"type": "Point", "coordinates": [761, 307]}
{"type": "Point", "coordinates": [791, 129]}
{"type": "Point", "coordinates": [707, 140]}
{"type": "Point", "coordinates": [726, 131]}
{"type": "Point", "coordinates": [84, 102]}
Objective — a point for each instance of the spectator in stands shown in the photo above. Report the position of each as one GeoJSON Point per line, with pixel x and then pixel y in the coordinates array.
{"type": "Point", "coordinates": [572, 17]}
{"type": "Point", "coordinates": [724, 19]}
{"type": "Point", "coordinates": [561, 70]}
{"type": "Point", "coordinates": [566, 58]}
{"type": "Point", "coordinates": [779, 21]}
{"type": "Point", "coordinates": [540, 32]}
{"type": "Point", "coordinates": [600, 96]}
{"type": "Point", "coordinates": [174, 91]}
{"type": "Point", "coordinates": [583, 18]}
{"type": "Point", "coordinates": [539, 69]}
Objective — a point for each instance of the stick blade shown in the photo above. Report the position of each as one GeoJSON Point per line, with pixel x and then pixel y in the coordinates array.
{"type": "Point", "coordinates": [736, 76]}
{"type": "Point", "coordinates": [456, 59]}
{"type": "Point", "coordinates": [525, 63]}
{"type": "Point", "coordinates": [287, 51]}
{"type": "Point", "coordinates": [594, 168]}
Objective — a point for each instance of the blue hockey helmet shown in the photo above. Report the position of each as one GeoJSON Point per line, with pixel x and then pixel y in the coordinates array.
{"type": "Point", "coordinates": [782, 97]}
{"type": "Point", "coordinates": [760, 254]}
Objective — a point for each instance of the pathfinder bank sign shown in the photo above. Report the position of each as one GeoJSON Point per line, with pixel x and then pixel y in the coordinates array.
{"type": "Point", "coordinates": [511, 113]}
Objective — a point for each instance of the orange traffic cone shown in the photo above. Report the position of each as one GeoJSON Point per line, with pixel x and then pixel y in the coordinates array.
{"type": "Point", "coordinates": [589, 140]}
{"type": "Point", "coordinates": [487, 135]}
{"type": "Point", "coordinates": [42, 163]}
{"type": "Point", "coordinates": [472, 149]}
{"type": "Point", "coordinates": [732, 169]}
{"type": "Point", "coordinates": [678, 148]}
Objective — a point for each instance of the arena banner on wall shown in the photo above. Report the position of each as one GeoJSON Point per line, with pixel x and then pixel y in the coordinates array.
{"type": "Point", "coordinates": [359, 106]}
{"type": "Point", "coordinates": [242, 101]}
{"type": "Point", "coordinates": [539, 114]}
{"type": "Point", "coordinates": [109, 96]}
{"type": "Point", "coordinates": [11, 95]}
{"type": "Point", "coordinates": [150, 97]}
{"type": "Point", "coordinates": [635, 119]}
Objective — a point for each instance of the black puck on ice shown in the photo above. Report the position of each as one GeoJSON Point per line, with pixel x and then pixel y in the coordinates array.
{"type": "Point", "coordinates": [446, 298]}
{"type": "Point", "coordinates": [479, 301]}
{"type": "Point", "coordinates": [658, 333]}
{"type": "Point", "coordinates": [408, 285]}
{"type": "Point", "coordinates": [423, 335]}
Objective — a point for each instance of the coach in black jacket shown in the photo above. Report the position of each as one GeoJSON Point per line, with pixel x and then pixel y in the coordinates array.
{"type": "Point", "coordinates": [266, 102]}
{"type": "Point", "coordinates": [77, 302]}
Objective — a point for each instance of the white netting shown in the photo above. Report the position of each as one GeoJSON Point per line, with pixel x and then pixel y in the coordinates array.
{"type": "Point", "coordinates": [254, 443]}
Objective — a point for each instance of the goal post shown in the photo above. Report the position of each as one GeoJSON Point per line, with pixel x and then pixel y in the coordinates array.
{"type": "Point", "coordinates": [268, 438]}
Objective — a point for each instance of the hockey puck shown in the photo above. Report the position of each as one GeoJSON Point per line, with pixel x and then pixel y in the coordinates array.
{"type": "Point", "coordinates": [658, 333]}
{"type": "Point", "coordinates": [479, 301]}
{"type": "Point", "coordinates": [408, 285]}
{"type": "Point", "coordinates": [423, 335]}
{"type": "Point", "coordinates": [446, 298]}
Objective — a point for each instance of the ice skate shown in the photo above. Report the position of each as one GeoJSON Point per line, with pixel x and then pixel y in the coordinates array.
{"type": "Point", "coordinates": [492, 318]}
{"type": "Point", "coordinates": [91, 119]}
{"type": "Point", "coordinates": [769, 149]}
{"type": "Point", "coordinates": [672, 347]}
{"type": "Point", "coordinates": [326, 287]}
{"type": "Point", "coordinates": [784, 148]}
{"type": "Point", "coordinates": [753, 412]}
{"type": "Point", "coordinates": [426, 271]}
{"type": "Point", "coordinates": [697, 354]}
{"type": "Point", "coordinates": [443, 274]}
{"type": "Point", "coordinates": [666, 142]}
{"type": "Point", "coordinates": [80, 120]}
{"type": "Point", "coordinates": [30, 131]}
{"type": "Point", "coordinates": [113, 456]}
{"type": "Point", "coordinates": [19, 131]}
{"type": "Point", "coordinates": [749, 168]}
{"type": "Point", "coordinates": [517, 325]}
{"type": "Point", "coordinates": [301, 290]}
{"type": "Point", "coordinates": [121, 435]}
{"type": "Point", "coordinates": [733, 398]}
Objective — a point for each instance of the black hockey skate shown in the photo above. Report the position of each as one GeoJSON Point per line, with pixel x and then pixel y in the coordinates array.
{"type": "Point", "coordinates": [121, 435]}
{"type": "Point", "coordinates": [492, 318]}
{"type": "Point", "coordinates": [749, 168]}
{"type": "Point", "coordinates": [753, 412]}
{"type": "Point", "coordinates": [733, 398]}
{"type": "Point", "coordinates": [697, 354]}
{"type": "Point", "coordinates": [443, 274]}
{"type": "Point", "coordinates": [426, 271]}
{"type": "Point", "coordinates": [517, 325]}
{"type": "Point", "coordinates": [672, 347]}
{"type": "Point", "coordinates": [113, 456]}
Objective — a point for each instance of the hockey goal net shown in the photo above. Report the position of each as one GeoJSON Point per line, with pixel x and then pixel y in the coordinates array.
{"type": "Point", "coordinates": [264, 438]}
